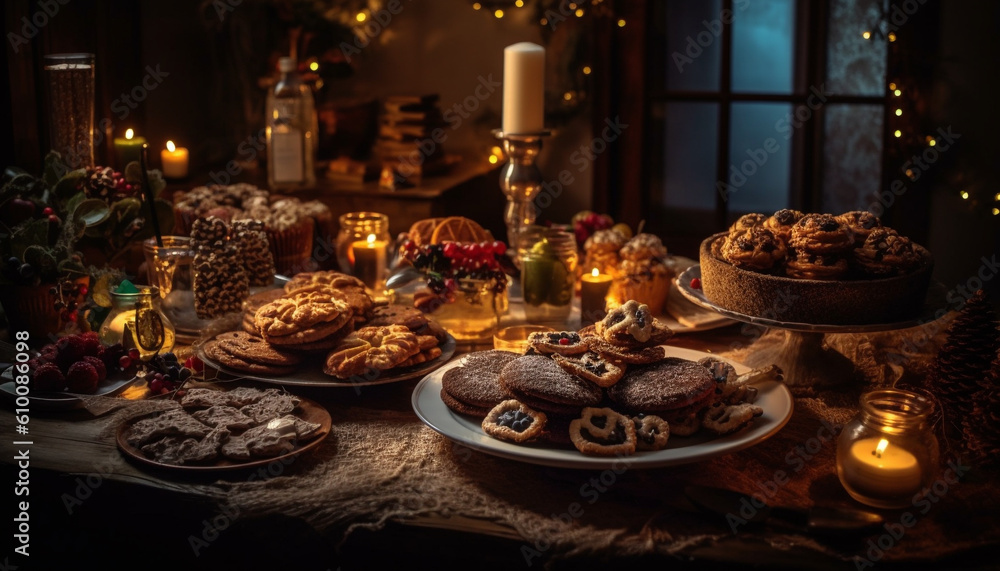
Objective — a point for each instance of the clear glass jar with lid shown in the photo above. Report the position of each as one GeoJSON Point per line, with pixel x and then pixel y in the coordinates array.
{"type": "Point", "coordinates": [888, 453]}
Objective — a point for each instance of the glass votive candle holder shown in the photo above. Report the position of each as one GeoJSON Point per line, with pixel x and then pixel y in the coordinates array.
{"type": "Point", "coordinates": [515, 337]}
{"type": "Point", "coordinates": [363, 247]}
{"type": "Point", "coordinates": [888, 453]}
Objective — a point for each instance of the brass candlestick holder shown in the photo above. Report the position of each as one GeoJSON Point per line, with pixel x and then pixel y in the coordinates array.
{"type": "Point", "coordinates": [520, 180]}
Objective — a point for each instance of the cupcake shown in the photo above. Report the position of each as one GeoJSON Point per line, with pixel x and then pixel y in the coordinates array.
{"type": "Point", "coordinates": [642, 274]}
{"type": "Point", "coordinates": [601, 251]}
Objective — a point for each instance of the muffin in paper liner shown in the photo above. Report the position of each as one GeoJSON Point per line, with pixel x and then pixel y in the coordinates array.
{"type": "Point", "coordinates": [292, 247]}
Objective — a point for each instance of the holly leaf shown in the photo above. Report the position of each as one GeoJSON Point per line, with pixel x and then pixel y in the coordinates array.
{"type": "Point", "coordinates": [70, 185]}
{"type": "Point", "coordinates": [91, 212]}
{"type": "Point", "coordinates": [54, 169]}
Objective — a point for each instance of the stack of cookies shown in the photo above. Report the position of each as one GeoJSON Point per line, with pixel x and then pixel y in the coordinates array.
{"type": "Point", "coordinates": [609, 388]}
{"type": "Point", "coordinates": [330, 313]}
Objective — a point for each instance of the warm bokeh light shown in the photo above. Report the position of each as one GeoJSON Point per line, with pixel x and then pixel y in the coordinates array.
{"type": "Point", "coordinates": [899, 112]}
{"type": "Point", "coordinates": [579, 12]}
{"type": "Point", "coordinates": [892, 85]}
{"type": "Point", "coordinates": [314, 66]}
{"type": "Point", "coordinates": [568, 95]}
{"type": "Point", "coordinates": [361, 16]}
{"type": "Point", "coordinates": [498, 13]}
{"type": "Point", "coordinates": [996, 197]}
{"type": "Point", "coordinates": [586, 70]}
{"type": "Point", "coordinates": [996, 211]}
{"type": "Point", "coordinates": [898, 133]}
{"type": "Point", "coordinates": [897, 93]}
{"type": "Point", "coordinates": [493, 159]}
{"type": "Point", "coordinates": [932, 142]}
{"type": "Point", "coordinates": [892, 36]}
{"type": "Point", "coordinates": [964, 195]}
{"type": "Point", "coordinates": [621, 23]}
{"type": "Point", "coordinates": [477, 6]}
{"type": "Point", "coordinates": [519, 3]}
{"type": "Point", "coordinates": [866, 35]}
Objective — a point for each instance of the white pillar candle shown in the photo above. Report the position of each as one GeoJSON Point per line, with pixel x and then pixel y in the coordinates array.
{"type": "Point", "coordinates": [523, 88]}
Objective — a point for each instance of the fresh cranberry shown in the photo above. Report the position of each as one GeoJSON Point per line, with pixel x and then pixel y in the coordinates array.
{"type": "Point", "coordinates": [695, 283]}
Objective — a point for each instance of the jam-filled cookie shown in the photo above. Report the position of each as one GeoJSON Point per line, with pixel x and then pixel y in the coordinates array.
{"type": "Point", "coordinates": [561, 342]}
{"type": "Point", "coordinates": [886, 253]}
{"type": "Point", "coordinates": [756, 249]}
{"type": "Point", "coordinates": [721, 418]}
{"type": "Point", "coordinates": [861, 223]}
{"type": "Point", "coordinates": [780, 223]}
{"type": "Point", "coordinates": [821, 234]}
{"type": "Point", "coordinates": [803, 265]}
{"type": "Point", "coordinates": [514, 422]}
{"type": "Point", "coordinates": [603, 432]}
{"type": "Point", "coordinates": [746, 222]}
{"type": "Point", "coordinates": [651, 432]}
{"type": "Point", "coordinates": [592, 367]}
{"type": "Point", "coordinates": [632, 325]}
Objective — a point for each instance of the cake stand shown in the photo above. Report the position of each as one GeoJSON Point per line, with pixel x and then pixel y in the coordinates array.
{"type": "Point", "coordinates": [802, 355]}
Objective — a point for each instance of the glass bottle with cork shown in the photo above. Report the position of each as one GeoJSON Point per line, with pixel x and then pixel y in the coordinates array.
{"type": "Point", "coordinates": [291, 131]}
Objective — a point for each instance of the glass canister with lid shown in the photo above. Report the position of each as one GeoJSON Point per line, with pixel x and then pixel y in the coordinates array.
{"type": "Point", "coordinates": [548, 274]}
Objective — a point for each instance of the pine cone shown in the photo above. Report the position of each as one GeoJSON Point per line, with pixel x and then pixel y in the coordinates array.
{"type": "Point", "coordinates": [961, 368]}
{"type": "Point", "coordinates": [105, 183]}
{"type": "Point", "coordinates": [981, 429]}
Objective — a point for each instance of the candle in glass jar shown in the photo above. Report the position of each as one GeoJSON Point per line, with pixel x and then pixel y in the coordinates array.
{"type": "Point", "coordinates": [128, 148]}
{"type": "Point", "coordinates": [593, 296]}
{"type": "Point", "coordinates": [369, 260]}
{"type": "Point", "coordinates": [878, 468]}
{"type": "Point", "coordinates": [523, 88]}
{"type": "Point", "coordinates": [174, 160]}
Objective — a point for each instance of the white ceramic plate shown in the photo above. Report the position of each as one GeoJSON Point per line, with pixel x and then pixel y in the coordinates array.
{"type": "Point", "coordinates": [773, 397]}
{"type": "Point", "coordinates": [109, 387]}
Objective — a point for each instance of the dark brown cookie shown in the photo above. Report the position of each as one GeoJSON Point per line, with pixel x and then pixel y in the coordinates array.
{"type": "Point", "coordinates": [409, 317]}
{"type": "Point", "coordinates": [477, 381]}
{"type": "Point", "coordinates": [670, 386]}
{"type": "Point", "coordinates": [213, 352]}
{"type": "Point", "coordinates": [254, 349]}
{"type": "Point", "coordinates": [462, 408]}
{"type": "Point", "coordinates": [541, 378]}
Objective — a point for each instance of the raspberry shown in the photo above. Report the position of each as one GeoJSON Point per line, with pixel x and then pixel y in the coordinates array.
{"type": "Point", "coordinates": [71, 349]}
{"type": "Point", "coordinates": [82, 378]}
{"type": "Point", "coordinates": [102, 371]}
{"type": "Point", "coordinates": [48, 377]}
{"type": "Point", "coordinates": [49, 352]}
{"type": "Point", "coordinates": [695, 283]}
{"type": "Point", "coordinates": [91, 343]}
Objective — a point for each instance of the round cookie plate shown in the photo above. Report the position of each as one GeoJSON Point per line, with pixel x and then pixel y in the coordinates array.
{"type": "Point", "coordinates": [933, 304]}
{"type": "Point", "coordinates": [773, 397]}
{"type": "Point", "coordinates": [112, 386]}
{"type": "Point", "coordinates": [315, 377]}
{"type": "Point", "coordinates": [309, 411]}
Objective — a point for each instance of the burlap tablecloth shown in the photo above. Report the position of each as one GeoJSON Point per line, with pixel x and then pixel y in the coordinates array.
{"type": "Point", "coordinates": [380, 464]}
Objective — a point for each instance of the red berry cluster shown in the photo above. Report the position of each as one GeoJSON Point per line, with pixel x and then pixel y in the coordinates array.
{"type": "Point", "coordinates": [164, 374]}
{"type": "Point", "coordinates": [585, 226]}
{"type": "Point", "coordinates": [78, 363]}
{"type": "Point", "coordinates": [68, 294]}
{"type": "Point", "coordinates": [451, 261]}
{"type": "Point", "coordinates": [107, 184]}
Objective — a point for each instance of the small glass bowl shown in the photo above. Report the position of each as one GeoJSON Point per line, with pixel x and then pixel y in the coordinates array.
{"type": "Point", "coordinates": [515, 338]}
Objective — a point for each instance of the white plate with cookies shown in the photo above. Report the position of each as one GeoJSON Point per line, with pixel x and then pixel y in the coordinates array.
{"type": "Point", "coordinates": [773, 397]}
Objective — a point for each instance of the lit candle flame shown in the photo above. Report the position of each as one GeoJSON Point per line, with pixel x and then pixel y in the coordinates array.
{"type": "Point", "coordinates": [595, 272]}
{"type": "Point", "coordinates": [371, 240]}
{"type": "Point", "coordinates": [129, 133]}
{"type": "Point", "coordinates": [171, 147]}
{"type": "Point", "coordinates": [882, 445]}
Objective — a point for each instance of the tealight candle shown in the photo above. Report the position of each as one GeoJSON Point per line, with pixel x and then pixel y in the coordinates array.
{"type": "Point", "coordinates": [369, 261]}
{"type": "Point", "coordinates": [888, 453]}
{"type": "Point", "coordinates": [523, 88]}
{"type": "Point", "coordinates": [593, 296]}
{"type": "Point", "coordinates": [128, 148]}
{"type": "Point", "coordinates": [174, 161]}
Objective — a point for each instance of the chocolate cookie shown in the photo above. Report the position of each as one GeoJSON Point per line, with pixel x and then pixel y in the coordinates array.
{"type": "Point", "coordinates": [213, 352]}
{"type": "Point", "coordinates": [671, 387]}
{"type": "Point", "coordinates": [254, 349]}
{"type": "Point", "coordinates": [476, 383]}
{"type": "Point", "coordinates": [409, 317]}
{"type": "Point", "coordinates": [462, 408]}
{"type": "Point", "coordinates": [611, 352]}
{"type": "Point", "coordinates": [539, 378]}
